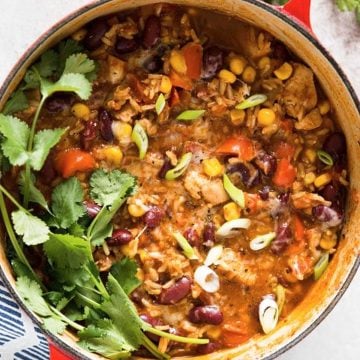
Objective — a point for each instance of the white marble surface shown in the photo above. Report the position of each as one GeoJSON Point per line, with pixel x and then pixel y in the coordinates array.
{"type": "Point", "coordinates": [338, 336]}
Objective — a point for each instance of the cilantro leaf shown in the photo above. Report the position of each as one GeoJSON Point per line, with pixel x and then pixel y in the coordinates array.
{"type": "Point", "coordinates": [67, 252]}
{"type": "Point", "coordinates": [44, 141]}
{"type": "Point", "coordinates": [76, 83]}
{"type": "Point", "coordinates": [124, 271]}
{"type": "Point", "coordinates": [17, 102]}
{"type": "Point", "coordinates": [111, 190]}
{"type": "Point", "coordinates": [32, 296]}
{"type": "Point", "coordinates": [126, 321]}
{"type": "Point", "coordinates": [31, 293]}
{"type": "Point", "coordinates": [67, 203]}
{"type": "Point", "coordinates": [106, 187]}
{"type": "Point", "coordinates": [79, 64]}
{"type": "Point", "coordinates": [36, 195]}
{"type": "Point", "coordinates": [65, 49]}
{"type": "Point", "coordinates": [31, 79]}
{"type": "Point", "coordinates": [33, 229]}
{"type": "Point", "coordinates": [16, 134]}
{"type": "Point", "coordinates": [103, 338]}
{"type": "Point", "coordinates": [48, 64]}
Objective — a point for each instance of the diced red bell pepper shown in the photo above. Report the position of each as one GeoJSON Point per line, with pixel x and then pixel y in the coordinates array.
{"type": "Point", "coordinates": [285, 174]}
{"type": "Point", "coordinates": [181, 81]}
{"type": "Point", "coordinates": [193, 57]}
{"type": "Point", "coordinates": [284, 150]}
{"type": "Point", "coordinates": [241, 146]}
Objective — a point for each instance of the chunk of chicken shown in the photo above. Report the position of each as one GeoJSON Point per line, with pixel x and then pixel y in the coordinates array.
{"type": "Point", "coordinates": [199, 186]}
{"type": "Point", "coordinates": [116, 69]}
{"type": "Point", "coordinates": [306, 200]}
{"type": "Point", "coordinates": [311, 121]}
{"type": "Point", "coordinates": [234, 268]}
{"type": "Point", "coordinates": [299, 95]}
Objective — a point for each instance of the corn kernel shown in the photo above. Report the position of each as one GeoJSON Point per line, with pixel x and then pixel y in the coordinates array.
{"type": "Point", "coordinates": [249, 75]}
{"type": "Point", "coordinates": [324, 107]}
{"type": "Point", "coordinates": [322, 180]}
{"type": "Point", "coordinates": [264, 63]}
{"type": "Point", "coordinates": [121, 130]}
{"type": "Point", "coordinates": [266, 117]}
{"type": "Point", "coordinates": [81, 111]}
{"type": "Point", "coordinates": [130, 249]}
{"type": "Point", "coordinates": [284, 71]}
{"type": "Point", "coordinates": [328, 242]}
{"type": "Point", "coordinates": [231, 211]}
{"type": "Point", "coordinates": [310, 154]}
{"type": "Point", "coordinates": [237, 65]}
{"type": "Point", "coordinates": [214, 332]}
{"type": "Point", "coordinates": [165, 85]}
{"type": "Point", "coordinates": [237, 116]}
{"type": "Point", "coordinates": [227, 76]}
{"type": "Point", "coordinates": [212, 167]}
{"type": "Point", "coordinates": [309, 178]}
{"type": "Point", "coordinates": [136, 210]}
{"type": "Point", "coordinates": [112, 154]}
{"type": "Point", "coordinates": [177, 62]}
{"type": "Point", "coordinates": [79, 35]}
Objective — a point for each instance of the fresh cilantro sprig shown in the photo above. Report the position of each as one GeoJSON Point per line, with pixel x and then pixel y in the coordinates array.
{"type": "Point", "coordinates": [109, 190]}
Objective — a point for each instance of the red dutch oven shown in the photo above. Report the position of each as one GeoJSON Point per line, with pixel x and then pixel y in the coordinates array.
{"type": "Point", "coordinates": [291, 25]}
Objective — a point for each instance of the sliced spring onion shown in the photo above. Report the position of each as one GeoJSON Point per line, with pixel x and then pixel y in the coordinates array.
{"type": "Point", "coordinates": [186, 247]}
{"type": "Point", "coordinates": [139, 137]}
{"type": "Point", "coordinates": [268, 314]}
{"type": "Point", "coordinates": [280, 297]}
{"type": "Point", "coordinates": [232, 227]}
{"type": "Point", "coordinates": [235, 193]}
{"type": "Point", "coordinates": [252, 101]}
{"type": "Point", "coordinates": [189, 115]}
{"type": "Point", "coordinates": [207, 279]}
{"type": "Point", "coordinates": [180, 168]}
{"type": "Point", "coordinates": [262, 241]}
{"type": "Point", "coordinates": [160, 104]}
{"type": "Point", "coordinates": [325, 157]}
{"type": "Point", "coordinates": [213, 255]}
{"type": "Point", "coordinates": [321, 266]}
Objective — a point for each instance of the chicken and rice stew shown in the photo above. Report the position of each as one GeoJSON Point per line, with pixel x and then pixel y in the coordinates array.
{"type": "Point", "coordinates": [164, 193]}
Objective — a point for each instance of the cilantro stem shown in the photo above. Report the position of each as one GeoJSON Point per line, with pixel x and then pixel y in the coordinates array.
{"type": "Point", "coordinates": [89, 301]}
{"type": "Point", "coordinates": [173, 337]}
{"type": "Point", "coordinates": [148, 344]}
{"type": "Point", "coordinates": [13, 200]}
{"type": "Point", "coordinates": [100, 286]}
{"type": "Point", "coordinates": [19, 251]}
{"type": "Point", "coordinates": [29, 149]}
{"type": "Point", "coordinates": [73, 324]}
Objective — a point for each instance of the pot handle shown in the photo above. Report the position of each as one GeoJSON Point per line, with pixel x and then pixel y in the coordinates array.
{"type": "Point", "coordinates": [300, 10]}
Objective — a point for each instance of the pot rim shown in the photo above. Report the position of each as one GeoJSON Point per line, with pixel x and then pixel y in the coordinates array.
{"type": "Point", "coordinates": [283, 16]}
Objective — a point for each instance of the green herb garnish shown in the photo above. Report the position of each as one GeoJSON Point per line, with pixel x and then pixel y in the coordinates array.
{"type": "Point", "coordinates": [180, 168]}
{"type": "Point", "coordinates": [160, 104]}
{"type": "Point", "coordinates": [139, 137]}
{"type": "Point", "coordinates": [235, 193]}
{"type": "Point", "coordinates": [321, 266]}
{"type": "Point", "coordinates": [188, 250]}
{"type": "Point", "coordinates": [325, 157]}
{"type": "Point", "coordinates": [189, 115]}
{"type": "Point", "coordinates": [252, 101]}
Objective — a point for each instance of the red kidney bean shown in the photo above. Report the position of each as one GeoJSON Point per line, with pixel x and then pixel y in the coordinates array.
{"type": "Point", "coordinates": [266, 163]}
{"type": "Point", "coordinates": [58, 102]}
{"type": "Point", "coordinates": [92, 209]}
{"type": "Point", "coordinates": [327, 215]}
{"type": "Point", "coordinates": [151, 33]}
{"type": "Point", "coordinates": [153, 64]}
{"type": "Point", "coordinates": [120, 237]}
{"type": "Point", "coordinates": [176, 292]}
{"type": "Point", "coordinates": [153, 217]}
{"type": "Point", "coordinates": [125, 46]}
{"type": "Point", "coordinates": [105, 122]}
{"type": "Point", "coordinates": [213, 60]}
{"type": "Point", "coordinates": [335, 145]}
{"type": "Point", "coordinates": [165, 168]}
{"type": "Point", "coordinates": [264, 193]}
{"type": "Point", "coordinates": [48, 173]}
{"type": "Point", "coordinates": [208, 348]}
{"type": "Point", "coordinates": [88, 134]}
{"type": "Point", "coordinates": [280, 51]}
{"type": "Point", "coordinates": [153, 322]}
{"type": "Point", "coordinates": [249, 176]}
{"type": "Point", "coordinates": [96, 30]}
{"type": "Point", "coordinates": [283, 238]}
{"type": "Point", "coordinates": [192, 236]}
{"type": "Point", "coordinates": [208, 314]}
{"type": "Point", "coordinates": [209, 234]}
